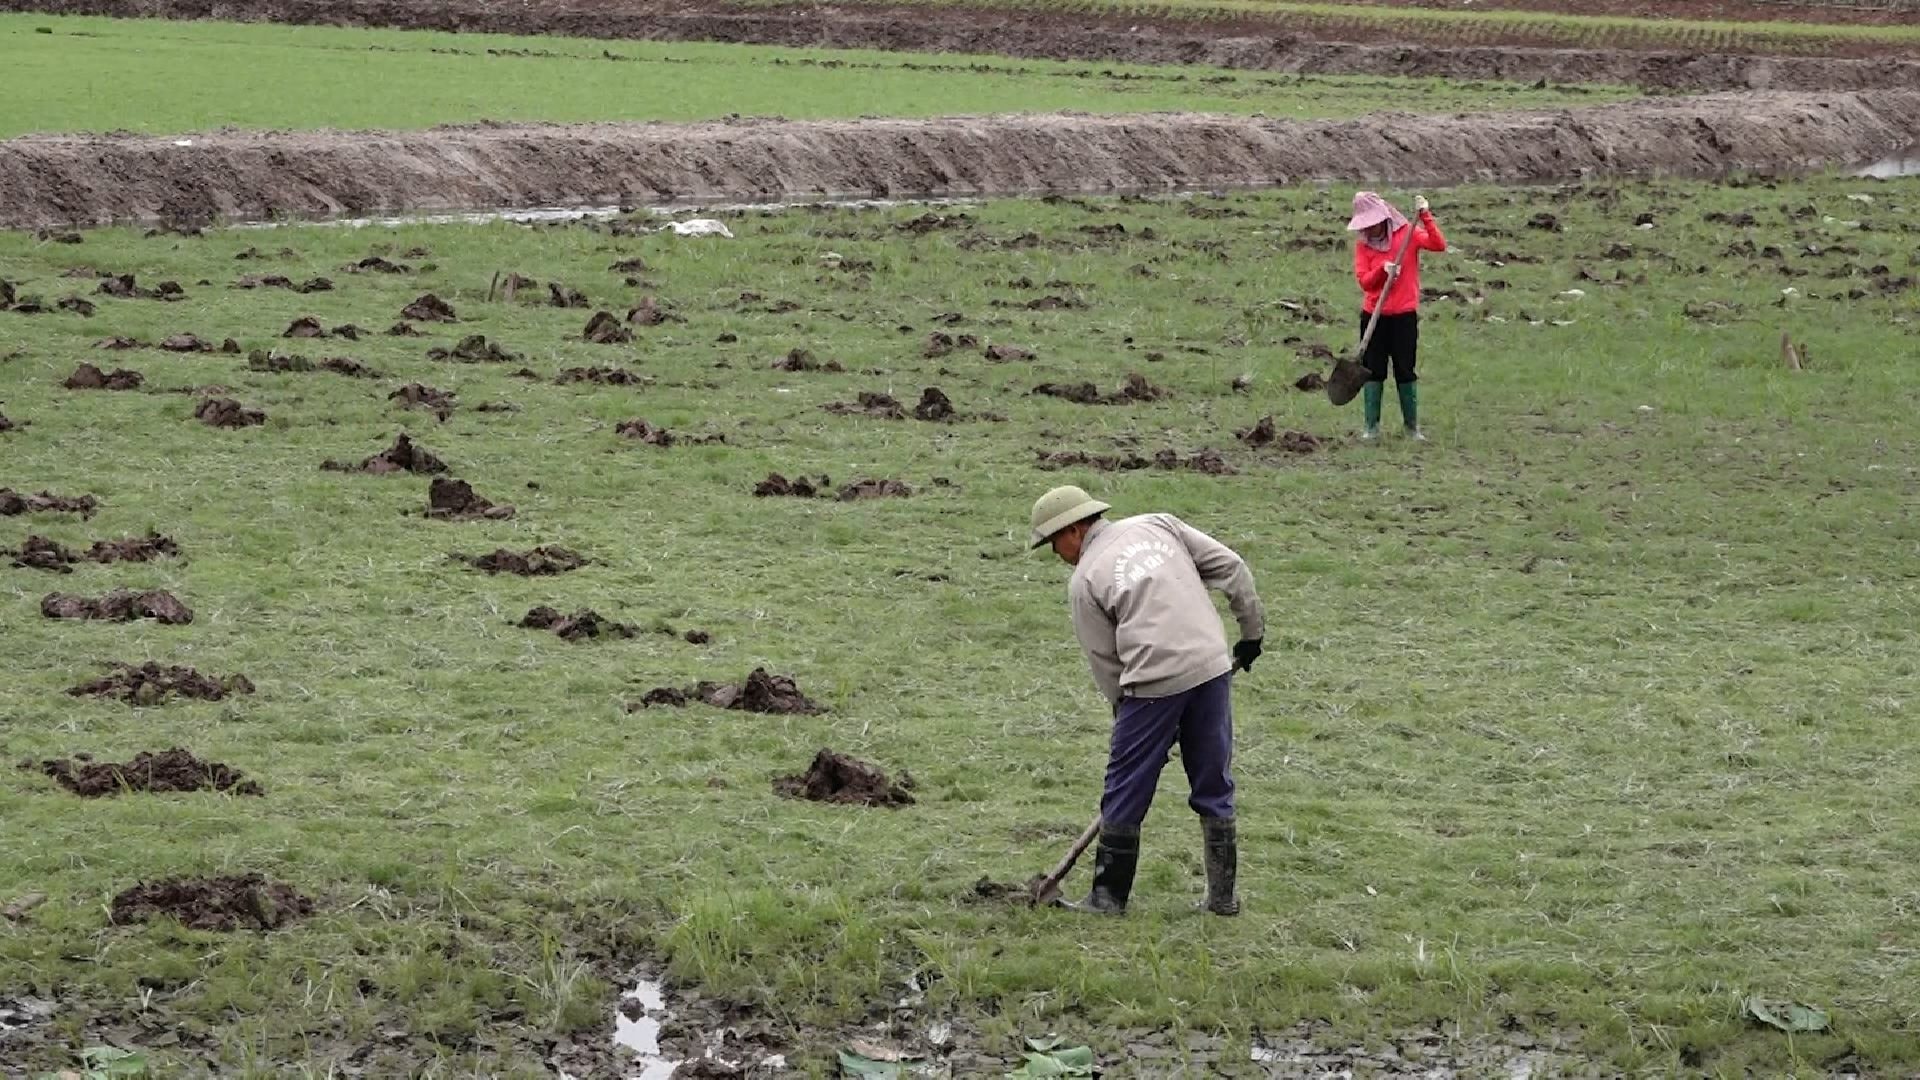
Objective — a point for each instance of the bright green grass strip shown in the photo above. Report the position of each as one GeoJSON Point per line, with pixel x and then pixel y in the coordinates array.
{"type": "Point", "coordinates": [88, 74]}
{"type": "Point", "coordinates": [1572, 26]}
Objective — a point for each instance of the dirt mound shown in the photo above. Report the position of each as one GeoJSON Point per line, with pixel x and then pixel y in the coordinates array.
{"type": "Point", "coordinates": [454, 500]}
{"type": "Point", "coordinates": [429, 308]}
{"type": "Point", "coordinates": [120, 605]}
{"type": "Point", "coordinates": [417, 396]}
{"type": "Point", "coordinates": [150, 684]}
{"type": "Point", "coordinates": [804, 360]}
{"type": "Point", "coordinates": [578, 626]}
{"type": "Point", "coordinates": [874, 489]}
{"type": "Point", "coordinates": [40, 553]}
{"type": "Point", "coordinates": [277, 363]}
{"type": "Point", "coordinates": [352, 369]}
{"type": "Point", "coordinates": [227, 413]}
{"type": "Point", "coordinates": [1265, 433]}
{"type": "Point", "coordinates": [601, 376]}
{"type": "Point", "coordinates": [123, 287]}
{"type": "Point", "coordinates": [799, 487]}
{"type": "Point", "coordinates": [402, 456]}
{"type": "Point", "coordinates": [880, 406]}
{"type": "Point", "coordinates": [761, 693]}
{"type": "Point", "coordinates": [837, 778]}
{"type": "Point", "coordinates": [245, 901]}
{"type": "Point", "coordinates": [188, 343]}
{"type": "Point", "coordinates": [1311, 382]}
{"type": "Point", "coordinates": [642, 431]}
{"type": "Point", "coordinates": [9, 425]}
{"type": "Point", "coordinates": [165, 772]}
{"type": "Point", "coordinates": [541, 561]}
{"type": "Point", "coordinates": [1135, 389]}
{"type": "Point", "coordinates": [1201, 461]}
{"type": "Point", "coordinates": [88, 377]}
{"type": "Point", "coordinates": [261, 175]}
{"type": "Point", "coordinates": [475, 349]}
{"type": "Point", "coordinates": [13, 504]}
{"type": "Point", "coordinates": [934, 405]}
{"type": "Point", "coordinates": [604, 329]}
{"type": "Point", "coordinates": [278, 281]}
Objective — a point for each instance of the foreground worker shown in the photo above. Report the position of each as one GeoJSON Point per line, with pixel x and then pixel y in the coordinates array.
{"type": "Point", "coordinates": [1153, 639]}
{"type": "Point", "coordinates": [1383, 239]}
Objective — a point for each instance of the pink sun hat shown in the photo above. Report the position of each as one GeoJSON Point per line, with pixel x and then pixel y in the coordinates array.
{"type": "Point", "coordinates": [1369, 209]}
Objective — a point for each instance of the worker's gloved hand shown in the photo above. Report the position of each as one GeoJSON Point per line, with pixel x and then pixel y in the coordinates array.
{"type": "Point", "coordinates": [1393, 268]}
{"type": "Point", "coordinates": [1420, 204]}
{"type": "Point", "coordinates": [1245, 653]}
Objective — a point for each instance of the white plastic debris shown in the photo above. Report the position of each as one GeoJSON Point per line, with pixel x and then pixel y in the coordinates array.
{"type": "Point", "coordinates": [1867, 199]}
{"type": "Point", "coordinates": [700, 227]}
{"type": "Point", "coordinates": [183, 142]}
{"type": "Point", "coordinates": [1575, 294]}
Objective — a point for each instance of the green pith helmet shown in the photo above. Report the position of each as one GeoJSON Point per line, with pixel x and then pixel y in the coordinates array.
{"type": "Point", "coordinates": [1060, 508]}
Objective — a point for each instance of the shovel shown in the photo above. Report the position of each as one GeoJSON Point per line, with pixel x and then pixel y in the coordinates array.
{"type": "Point", "coordinates": [1045, 890]}
{"type": "Point", "coordinates": [1350, 375]}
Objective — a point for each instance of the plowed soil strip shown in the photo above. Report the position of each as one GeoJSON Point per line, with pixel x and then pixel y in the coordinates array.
{"type": "Point", "coordinates": [52, 180]}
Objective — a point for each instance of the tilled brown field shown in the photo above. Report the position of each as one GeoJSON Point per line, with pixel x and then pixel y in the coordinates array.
{"type": "Point", "coordinates": [1646, 57]}
{"type": "Point", "coordinates": [89, 180]}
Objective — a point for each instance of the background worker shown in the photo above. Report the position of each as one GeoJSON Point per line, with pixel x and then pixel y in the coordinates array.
{"type": "Point", "coordinates": [1153, 639]}
{"type": "Point", "coordinates": [1383, 234]}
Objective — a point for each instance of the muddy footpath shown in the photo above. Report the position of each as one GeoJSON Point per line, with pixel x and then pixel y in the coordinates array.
{"type": "Point", "coordinates": [1249, 40]}
{"type": "Point", "coordinates": [73, 180]}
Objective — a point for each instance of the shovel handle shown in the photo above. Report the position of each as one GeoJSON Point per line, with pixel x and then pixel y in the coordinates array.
{"type": "Point", "coordinates": [1079, 848]}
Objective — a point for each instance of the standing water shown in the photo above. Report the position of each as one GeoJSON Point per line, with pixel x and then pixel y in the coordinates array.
{"type": "Point", "coordinates": [641, 1034]}
{"type": "Point", "coordinates": [1904, 163]}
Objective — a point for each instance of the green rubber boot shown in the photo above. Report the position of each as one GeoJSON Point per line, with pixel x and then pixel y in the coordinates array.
{"type": "Point", "coordinates": [1370, 396]}
{"type": "Point", "coordinates": [1410, 408]}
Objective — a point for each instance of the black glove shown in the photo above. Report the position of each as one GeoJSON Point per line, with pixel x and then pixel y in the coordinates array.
{"type": "Point", "coordinates": [1245, 653]}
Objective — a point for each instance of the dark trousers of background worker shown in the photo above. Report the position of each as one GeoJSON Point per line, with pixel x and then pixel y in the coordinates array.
{"type": "Point", "coordinates": [1397, 341]}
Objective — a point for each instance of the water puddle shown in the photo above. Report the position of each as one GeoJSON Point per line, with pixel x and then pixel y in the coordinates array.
{"type": "Point", "coordinates": [641, 1034]}
{"type": "Point", "coordinates": [637, 1019]}
{"type": "Point", "coordinates": [1904, 163]}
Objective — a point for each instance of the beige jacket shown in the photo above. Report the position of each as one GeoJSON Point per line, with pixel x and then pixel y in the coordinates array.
{"type": "Point", "coordinates": [1141, 609]}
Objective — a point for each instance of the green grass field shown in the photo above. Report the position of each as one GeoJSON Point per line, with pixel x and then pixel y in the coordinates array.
{"type": "Point", "coordinates": [1587, 719]}
{"type": "Point", "coordinates": [163, 77]}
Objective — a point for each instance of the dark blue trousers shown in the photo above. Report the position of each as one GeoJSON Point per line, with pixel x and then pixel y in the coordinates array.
{"type": "Point", "coordinates": [1144, 731]}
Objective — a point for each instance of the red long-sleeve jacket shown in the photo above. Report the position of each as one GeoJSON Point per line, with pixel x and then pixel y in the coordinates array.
{"type": "Point", "coordinates": [1370, 266]}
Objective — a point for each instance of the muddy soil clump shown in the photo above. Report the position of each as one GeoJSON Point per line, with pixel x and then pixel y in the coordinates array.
{"type": "Point", "coordinates": [879, 406]}
{"type": "Point", "coordinates": [454, 500]}
{"type": "Point", "coordinates": [402, 456]}
{"type": "Point", "coordinates": [475, 349]}
{"type": "Point", "coordinates": [1135, 389]}
{"type": "Point", "coordinates": [120, 605]}
{"type": "Point", "coordinates": [417, 396]}
{"type": "Point", "coordinates": [429, 308]}
{"type": "Point", "coordinates": [13, 504]}
{"type": "Point", "coordinates": [235, 902]}
{"type": "Point", "coordinates": [227, 413]}
{"type": "Point", "coordinates": [538, 562]}
{"type": "Point", "coordinates": [800, 487]}
{"type": "Point", "coordinates": [798, 360]}
{"type": "Point", "coordinates": [151, 684]}
{"type": "Point", "coordinates": [837, 778]}
{"type": "Point", "coordinates": [604, 329]}
{"type": "Point", "coordinates": [874, 489]}
{"type": "Point", "coordinates": [935, 406]}
{"type": "Point", "coordinates": [166, 772]}
{"type": "Point", "coordinates": [88, 377]}
{"type": "Point", "coordinates": [579, 626]}
{"type": "Point", "coordinates": [1206, 461]}
{"type": "Point", "coordinates": [40, 553]}
{"type": "Point", "coordinates": [601, 376]}
{"type": "Point", "coordinates": [777, 695]}
{"type": "Point", "coordinates": [1265, 433]}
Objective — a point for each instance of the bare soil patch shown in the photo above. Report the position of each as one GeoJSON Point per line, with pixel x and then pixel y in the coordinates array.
{"type": "Point", "coordinates": [455, 500]}
{"type": "Point", "coordinates": [874, 489]}
{"type": "Point", "coordinates": [804, 360]}
{"type": "Point", "coordinates": [475, 349]}
{"type": "Point", "coordinates": [260, 175]}
{"type": "Point", "coordinates": [579, 626]}
{"type": "Point", "coordinates": [402, 456]}
{"type": "Point", "coordinates": [120, 605]}
{"type": "Point", "coordinates": [88, 377]}
{"type": "Point", "coordinates": [760, 693]}
{"type": "Point", "coordinates": [604, 329]}
{"type": "Point", "coordinates": [799, 487]}
{"type": "Point", "coordinates": [538, 562]}
{"type": "Point", "coordinates": [168, 771]}
{"type": "Point", "coordinates": [151, 684]}
{"type": "Point", "coordinates": [429, 308]}
{"type": "Point", "coordinates": [876, 405]}
{"type": "Point", "coordinates": [234, 902]}
{"type": "Point", "coordinates": [838, 778]}
{"type": "Point", "coordinates": [13, 504]}
{"type": "Point", "coordinates": [601, 376]}
{"type": "Point", "coordinates": [40, 553]}
{"type": "Point", "coordinates": [124, 287]}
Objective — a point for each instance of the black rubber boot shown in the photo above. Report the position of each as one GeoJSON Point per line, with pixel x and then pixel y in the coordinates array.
{"type": "Point", "coordinates": [1223, 865]}
{"type": "Point", "coordinates": [1114, 863]}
